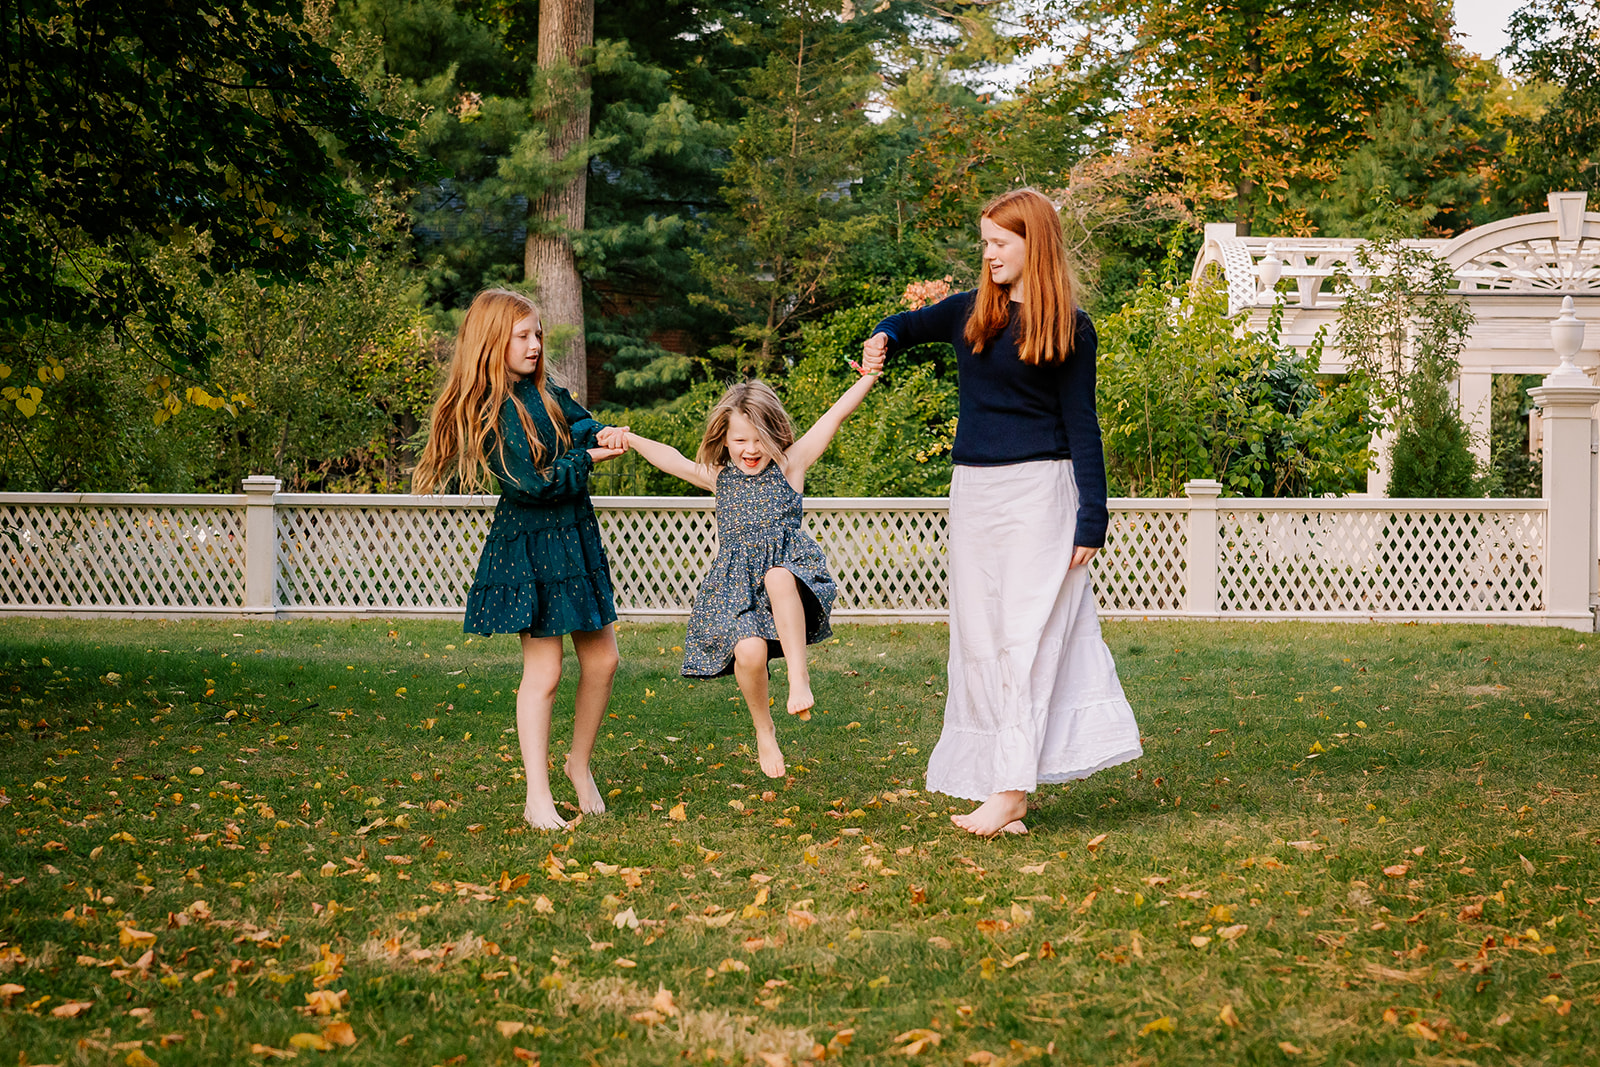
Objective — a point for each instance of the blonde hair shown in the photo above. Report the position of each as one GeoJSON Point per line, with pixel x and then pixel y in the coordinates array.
{"type": "Point", "coordinates": [1049, 312]}
{"type": "Point", "coordinates": [467, 413]}
{"type": "Point", "coordinates": [756, 401]}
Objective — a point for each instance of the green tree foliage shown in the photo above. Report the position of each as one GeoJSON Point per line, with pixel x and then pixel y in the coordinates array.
{"type": "Point", "coordinates": [795, 156]}
{"type": "Point", "coordinates": [1241, 99]}
{"type": "Point", "coordinates": [1552, 43]}
{"type": "Point", "coordinates": [1184, 394]}
{"type": "Point", "coordinates": [226, 127]}
{"type": "Point", "coordinates": [1402, 331]}
{"type": "Point", "coordinates": [328, 376]}
{"type": "Point", "coordinates": [1426, 153]}
{"type": "Point", "coordinates": [1514, 472]}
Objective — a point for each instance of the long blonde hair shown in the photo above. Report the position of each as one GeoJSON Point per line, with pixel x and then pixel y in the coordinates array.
{"type": "Point", "coordinates": [1049, 312]}
{"type": "Point", "coordinates": [756, 401]}
{"type": "Point", "coordinates": [467, 413]}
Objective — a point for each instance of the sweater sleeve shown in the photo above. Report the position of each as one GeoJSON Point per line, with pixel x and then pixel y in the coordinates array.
{"type": "Point", "coordinates": [521, 481]}
{"type": "Point", "coordinates": [583, 425]}
{"type": "Point", "coordinates": [1082, 424]}
{"type": "Point", "coordinates": [936, 322]}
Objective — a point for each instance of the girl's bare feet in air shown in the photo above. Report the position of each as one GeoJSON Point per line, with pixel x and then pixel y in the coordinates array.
{"type": "Point", "coordinates": [590, 801]}
{"type": "Point", "coordinates": [801, 701]}
{"type": "Point", "coordinates": [771, 756]}
{"type": "Point", "coordinates": [541, 815]}
{"type": "Point", "coordinates": [1001, 813]}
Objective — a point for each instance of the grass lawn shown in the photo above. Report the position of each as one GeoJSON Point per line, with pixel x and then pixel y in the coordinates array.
{"type": "Point", "coordinates": [226, 842]}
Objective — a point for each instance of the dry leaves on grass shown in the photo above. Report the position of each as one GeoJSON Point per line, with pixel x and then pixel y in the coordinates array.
{"type": "Point", "coordinates": [915, 1042]}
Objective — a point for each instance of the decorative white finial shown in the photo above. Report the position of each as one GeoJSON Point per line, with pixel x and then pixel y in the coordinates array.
{"type": "Point", "coordinates": [1270, 269]}
{"type": "Point", "coordinates": [1566, 335]}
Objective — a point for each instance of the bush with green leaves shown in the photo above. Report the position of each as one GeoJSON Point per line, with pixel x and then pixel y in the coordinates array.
{"type": "Point", "coordinates": [1186, 393]}
{"type": "Point", "coordinates": [896, 444]}
{"type": "Point", "coordinates": [1402, 330]}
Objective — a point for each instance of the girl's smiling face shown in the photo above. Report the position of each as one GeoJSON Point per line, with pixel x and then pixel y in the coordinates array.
{"type": "Point", "coordinates": [1005, 253]}
{"type": "Point", "coordinates": [745, 452]}
{"type": "Point", "coordinates": [526, 348]}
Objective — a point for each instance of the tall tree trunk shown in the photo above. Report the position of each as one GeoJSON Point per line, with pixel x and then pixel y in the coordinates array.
{"type": "Point", "coordinates": [566, 30]}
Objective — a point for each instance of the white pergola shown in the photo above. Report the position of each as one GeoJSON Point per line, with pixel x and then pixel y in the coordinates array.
{"type": "Point", "coordinates": [1513, 274]}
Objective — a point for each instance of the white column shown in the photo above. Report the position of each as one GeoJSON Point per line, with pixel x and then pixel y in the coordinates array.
{"type": "Point", "coordinates": [1476, 389]}
{"type": "Point", "coordinates": [260, 544]}
{"type": "Point", "coordinates": [1381, 447]}
{"type": "Point", "coordinates": [1566, 404]}
{"type": "Point", "coordinates": [1200, 577]}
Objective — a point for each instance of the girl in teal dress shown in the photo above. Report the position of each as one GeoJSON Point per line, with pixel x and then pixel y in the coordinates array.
{"type": "Point", "coordinates": [768, 592]}
{"type": "Point", "coordinates": [543, 571]}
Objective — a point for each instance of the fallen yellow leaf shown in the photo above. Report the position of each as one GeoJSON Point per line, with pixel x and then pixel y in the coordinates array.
{"type": "Point", "coordinates": [1163, 1025]}
{"type": "Point", "coordinates": [342, 1034]}
{"type": "Point", "coordinates": [678, 812]}
{"type": "Point", "coordinates": [315, 1042]}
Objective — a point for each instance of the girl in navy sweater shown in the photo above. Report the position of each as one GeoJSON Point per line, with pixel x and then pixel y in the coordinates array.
{"type": "Point", "coordinates": [1033, 696]}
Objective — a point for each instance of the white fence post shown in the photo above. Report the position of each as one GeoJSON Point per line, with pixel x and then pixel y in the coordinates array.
{"type": "Point", "coordinates": [1200, 579]}
{"type": "Point", "coordinates": [1566, 405]}
{"type": "Point", "coordinates": [260, 544]}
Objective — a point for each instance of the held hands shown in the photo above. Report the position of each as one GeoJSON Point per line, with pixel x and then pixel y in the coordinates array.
{"type": "Point", "coordinates": [874, 351]}
{"type": "Point", "coordinates": [613, 437]}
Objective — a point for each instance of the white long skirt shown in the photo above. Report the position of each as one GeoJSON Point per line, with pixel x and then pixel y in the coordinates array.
{"type": "Point", "coordinates": [1034, 696]}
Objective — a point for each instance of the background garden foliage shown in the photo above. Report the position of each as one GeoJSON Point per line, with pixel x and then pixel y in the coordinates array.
{"type": "Point", "coordinates": [239, 239]}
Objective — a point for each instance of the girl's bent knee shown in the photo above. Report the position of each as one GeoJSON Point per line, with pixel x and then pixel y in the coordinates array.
{"type": "Point", "coordinates": [780, 578]}
{"type": "Point", "coordinates": [751, 652]}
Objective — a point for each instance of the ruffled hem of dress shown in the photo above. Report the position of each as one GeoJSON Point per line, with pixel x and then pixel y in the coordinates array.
{"type": "Point", "coordinates": [544, 609]}
{"type": "Point", "coordinates": [948, 777]}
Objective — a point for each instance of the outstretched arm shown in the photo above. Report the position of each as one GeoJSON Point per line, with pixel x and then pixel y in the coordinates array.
{"type": "Point", "coordinates": [664, 458]}
{"type": "Point", "coordinates": [806, 451]}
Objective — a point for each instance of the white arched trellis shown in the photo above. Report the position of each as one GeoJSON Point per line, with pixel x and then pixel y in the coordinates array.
{"type": "Point", "coordinates": [1513, 274]}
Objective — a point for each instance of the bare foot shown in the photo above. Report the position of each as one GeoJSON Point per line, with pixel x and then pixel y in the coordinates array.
{"type": "Point", "coordinates": [995, 815]}
{"type": "Point", "coordinates": [1014, 827]}
{"type": "Point", "coordinates": [771, 756]}
{"type": "Point", "coordinates": [801, 701]}
{"type": "Point", "coordinates": [541, 815]}
{"type": "Point", "coordinates": [589, 800]}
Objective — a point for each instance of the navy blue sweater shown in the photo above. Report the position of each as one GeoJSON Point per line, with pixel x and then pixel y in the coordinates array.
{"type": "Point", "coordinates": [1014, 412]}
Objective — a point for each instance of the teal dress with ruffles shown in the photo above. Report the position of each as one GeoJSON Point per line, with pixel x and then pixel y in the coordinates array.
{"type": "Point", "coordinates": [543, 570]}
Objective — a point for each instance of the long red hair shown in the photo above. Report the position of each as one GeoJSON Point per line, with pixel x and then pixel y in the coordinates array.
{"type": "Point", "coordinates": [466, 417]}
{"type": "Point", "coordinates": [1045, 333]}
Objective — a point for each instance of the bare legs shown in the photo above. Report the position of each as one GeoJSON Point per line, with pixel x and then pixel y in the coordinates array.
{"type": "Point", "coordinates": [597, 669]}
{"type": "Point", "coordinates": [789, 616]}
{"type": "Point", "coordinates": [1001, 813]}
{"type": "Point", "coordinates": [750, 669]}
{"type": "Point", "coordinates": [541, 673]}
{"type": "Point", "coordinates": [536, 696]}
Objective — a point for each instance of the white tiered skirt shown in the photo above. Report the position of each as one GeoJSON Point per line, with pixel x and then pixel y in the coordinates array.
{"type": "Point", "coordinates": [1034, 696]}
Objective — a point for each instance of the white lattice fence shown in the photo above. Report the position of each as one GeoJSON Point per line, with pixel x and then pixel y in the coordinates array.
{"type": "Point", "coordinates": [658, 548]}
{"type": "Point", "coordinates": [1141, 570]}
{"type": "Point", "coordinates": [361, 553]}
{"type": "Point", "coordinates": [122, 551]}
{"type": "Point", "coordinates": [344, 554]}
{"type": "Point", "coordinates": [1426, 557]}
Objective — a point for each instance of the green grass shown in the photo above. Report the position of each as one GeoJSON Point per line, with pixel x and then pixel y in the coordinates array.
{"type": "Point", "coordinates": [1286, 766]}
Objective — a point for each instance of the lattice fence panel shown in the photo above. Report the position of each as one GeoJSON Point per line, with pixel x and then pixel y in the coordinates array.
{"type": "Point", "coordinates": [1380, 561]}
{"type": "Point", "coordinates": [889, 561]}
{"type": "Point", "coordinates": [372, 558]}
{"type": "Point", "coordinates": [658, 555]}
{"type": "Point", "coordinates": [122, 556]}
{"type": "Point", "coordinates": [1142, 567]}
